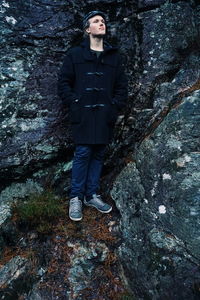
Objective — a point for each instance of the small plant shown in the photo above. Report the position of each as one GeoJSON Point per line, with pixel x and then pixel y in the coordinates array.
{"type": "Point", "coordinates": [40, 211]}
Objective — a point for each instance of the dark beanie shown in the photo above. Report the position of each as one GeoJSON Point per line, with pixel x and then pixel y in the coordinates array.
{"type": "Point", "coordinates": [92, 14]}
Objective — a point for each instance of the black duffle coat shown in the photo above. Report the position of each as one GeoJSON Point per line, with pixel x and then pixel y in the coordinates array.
{"type": "Point", "coordinates": [95, 89]}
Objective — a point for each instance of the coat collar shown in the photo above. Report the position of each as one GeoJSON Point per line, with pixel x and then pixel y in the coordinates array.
{"type": "Point", "coordinates": [86, 48]}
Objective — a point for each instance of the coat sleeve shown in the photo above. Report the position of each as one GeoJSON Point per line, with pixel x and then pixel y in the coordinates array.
{"type": "Point", "coordinates": [120, 92]}
{"type": "Point", "coordinates": [66, 79]}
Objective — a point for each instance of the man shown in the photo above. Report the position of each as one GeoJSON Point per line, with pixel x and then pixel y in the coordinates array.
{"type": "Point", "coordinates": [92, 83]}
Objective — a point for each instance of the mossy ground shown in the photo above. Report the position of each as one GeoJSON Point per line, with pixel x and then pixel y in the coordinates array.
{"type": "Point", "coordinates": [40, 211]}
{"type": "Point", "coordinates": [46, 216]}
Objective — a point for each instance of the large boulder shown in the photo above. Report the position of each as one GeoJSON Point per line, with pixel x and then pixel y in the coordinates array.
{"type": "Point", "coordinates": [157, 193]}
{"type": "Point", "coordinates": [158, 198]}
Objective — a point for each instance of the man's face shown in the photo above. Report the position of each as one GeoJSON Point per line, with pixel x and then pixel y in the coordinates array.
{"type": "Point", "coordinates": [97, 26]}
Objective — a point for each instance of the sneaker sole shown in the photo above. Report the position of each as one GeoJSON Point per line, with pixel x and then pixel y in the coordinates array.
{"type": "Point", "coordinates": [102, 211]}
{"type": "Point", "coordinates": [75, 219]}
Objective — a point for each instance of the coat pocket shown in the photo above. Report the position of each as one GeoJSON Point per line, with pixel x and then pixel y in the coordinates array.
{"type": "Point", "coordinates": [75, 112]}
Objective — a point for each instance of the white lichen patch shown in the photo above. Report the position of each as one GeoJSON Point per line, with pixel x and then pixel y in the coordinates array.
{"type": "Point", "coordinates": [5, 4]}
{"type": "Point", "coordinates": [11, 20]}
{"type": "Point", "coordinates": [194, 211]}
{"type": "Point", "coordinates": [174, 143]}
{"type": "Point", "coordinates": [28, 125]}
{"type": "Point", "coordinates": [24, 127]}
{"type": "Point", "coordinates": [46, 148]}
{"type": "Point", "coordinates": [181, 161]}
{"type": "Point", "coordinates": [163, 240]}
{"type": "Point", "coordinates": [5, 213]}
{"type": "Point", "coordinates": [162, 209]}
{"type": "Point", "coordinates": [81, 267]}
{"type": "Point", "coordinates": [154, 216]}
{"type": "Point", "coordinates": [67, 166]}
{"type": "Point", "coordinates": [166, 176]}
{"type": "Point", "coordinates": [9, 121]}
{"type": "Point", "coordinates": [187, 158]}
{"type": "Point", "coordinates": [152, 34]}
{"type": "Point", "coordinates": [153, 191]}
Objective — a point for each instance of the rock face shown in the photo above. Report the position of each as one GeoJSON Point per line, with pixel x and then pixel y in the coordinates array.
{"type": "Point", "coordinates": [29, 105]}
{"type": "Point", "coordinates": [13, 277]}
{"type": "Point", "coordinates": [157, 136]}
{"type": "Point", "coordinates": [157, 193]}
{"type": "Point", "coordinates": [35, 37]}
{"type": "Point", "coordinates": [158, 197]}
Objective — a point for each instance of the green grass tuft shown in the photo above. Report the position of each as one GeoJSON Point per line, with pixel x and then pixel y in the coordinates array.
{"type": "Point", "coordinates": [40, 210]}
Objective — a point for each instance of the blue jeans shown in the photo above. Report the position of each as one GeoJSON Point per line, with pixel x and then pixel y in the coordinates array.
{"type": "Point", "coordinates": [86, 170]}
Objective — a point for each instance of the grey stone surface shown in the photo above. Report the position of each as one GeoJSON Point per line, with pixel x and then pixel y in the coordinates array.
{"type": "Point", "coordinates": [13, 193]}
{"type": "Point", "coordinates": [168, 37]}
{"type": "Point", "coordinates": [30, 107]}
{"type": "Point", "coordinates": [148, 4]}
{"type": "Point", "coordinates": [14, 278]}
{"type": "Point", "coordinates": [161, 239]}
{"type": "Point", "coordinates": [168, 61]}
{"type": "Point", "coordinates": [12, 270]}
{"type": "Point", "coordinates": [82, 267]}
{"type": "Point", "coordinates": [35, 37]}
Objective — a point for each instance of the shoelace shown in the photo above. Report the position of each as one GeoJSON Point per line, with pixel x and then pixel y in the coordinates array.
{"type": "Point", "coordinates": [75, 205]}
{"type": "Point", "coordinates": [99, 200]}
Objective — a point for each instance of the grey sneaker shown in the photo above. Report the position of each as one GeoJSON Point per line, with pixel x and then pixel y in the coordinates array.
{"type": "Point", "coordinates": [75, 209]}
{"type": "Point", "coordinates": [98, 203]}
